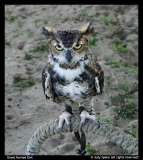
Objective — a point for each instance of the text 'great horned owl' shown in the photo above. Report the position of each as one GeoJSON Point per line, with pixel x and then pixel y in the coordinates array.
{"type": "Point", "coordinates": [72, 76]}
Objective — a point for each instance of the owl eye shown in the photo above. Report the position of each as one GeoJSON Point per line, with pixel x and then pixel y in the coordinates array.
{"type": "Point", "coordinates": [58, 47]}
{"type": "Point", "coordinates": [77, 46]}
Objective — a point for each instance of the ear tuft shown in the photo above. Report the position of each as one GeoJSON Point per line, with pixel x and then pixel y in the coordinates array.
{"type": "Point", "coordinates": [50, 29]}
{"type": "Point", "coordinates": [87, 30]}
{"type": "Point", "coordinates": [49, 32]}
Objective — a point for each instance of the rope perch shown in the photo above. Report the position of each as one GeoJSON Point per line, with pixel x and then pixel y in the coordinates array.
{"type": "Point", "coordinates": [128, 143]}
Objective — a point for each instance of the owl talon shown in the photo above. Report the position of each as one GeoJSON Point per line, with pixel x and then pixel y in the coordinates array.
{"type": "Point", "coordinates": [85, 115]}
{"type": "Point", "coordinates": [66, 116]}
{"type": "Point", "coordinates": [96, 121]}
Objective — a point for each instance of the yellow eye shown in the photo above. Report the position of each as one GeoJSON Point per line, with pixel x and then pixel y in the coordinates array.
{"type": "Point", "coordinates": [77, 46]}
{"type": "Point", "coordinates": [58, 47]}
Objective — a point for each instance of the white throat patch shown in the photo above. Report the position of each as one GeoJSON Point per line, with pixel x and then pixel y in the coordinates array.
{"type": "Point", "coordinates": [69, 74]}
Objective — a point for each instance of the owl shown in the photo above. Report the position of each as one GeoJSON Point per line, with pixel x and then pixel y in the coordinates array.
{"type": "Point", "coordinates": [72, 76]}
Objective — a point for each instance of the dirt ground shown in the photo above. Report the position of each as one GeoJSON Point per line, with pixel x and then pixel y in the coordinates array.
{"type": "Point", "coordinates": [115, 44]}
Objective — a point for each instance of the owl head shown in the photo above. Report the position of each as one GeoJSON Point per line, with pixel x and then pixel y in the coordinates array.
{"type": "Point", "coordinates": [68, 46]}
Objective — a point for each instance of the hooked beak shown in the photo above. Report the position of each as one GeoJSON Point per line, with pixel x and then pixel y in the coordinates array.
{"type": "Point", "coordinates": [69, 55]}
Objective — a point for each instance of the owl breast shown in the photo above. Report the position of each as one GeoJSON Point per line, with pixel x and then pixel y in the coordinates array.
{"type": "Point", "coordinates": [73, 84]}
{"type": "Point", "coordinates": [74, 91]}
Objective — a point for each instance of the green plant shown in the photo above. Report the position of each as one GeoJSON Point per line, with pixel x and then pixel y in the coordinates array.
{"type": "Point", "coordinates": [91, 16]}
{"type": "Point", "coordinates": [133, 70]}
{"type": "Point", "coordinates": [28, 57]}
{"type": "Point", "coordinates": [83, 12]}
{"type": "Point", "coordinates": [132, 130]}
{"type": "Point", "coordinates": [9, 17]}
{"type": "Point", "coordinates": [110, 19]}
{"type": "Point", "coordinates": [100, 118]}
{"type": "Point", "coordinates": [90, 150]}
{"type": "Point", "coordinates": [105, 20]}
{"type": "Point", "coordinates": [102, 19]}
{"type": "Point", "coordinates": [93, 41]}
{"type": "Point", "coordinates": [111, 143]}
{"type": "Point", "coordinates": [117, 64]}
{"type": "Point", "coordinates": [36, 22]}
{"type": "Point", "coordinates": [123, 97]}
{"type": "Point", "coordinates": [128, 67]}
{"type": "Point", "coordinates": [125, 64]}
{"type": "Point", "coordinates": [102, 8]}
{"type": "Point", "coordinates": [102, 36]}
{"type": "Point", "coordinates": [43, 46]}
{"type": "Point", "coordinates": [134, 88]}
{"type": "Point", "coordinates": [130, 24]}
{"type": "Point", "coordinates": [113, 63]}
{"type": "Point", "coordinates": [19, 23]}
{"type": "Point", "coordinates": [134, 126]}
{"type": "Point", "coordinates": [108, 121]}
{"type": "Point", "coordinates": [113, 10]}
{"type": "Point", "coordinates": [125, 111]}
{"type": "Point", "coordinates": [120, 46]}
{"type": "Point", "coordinates": [31, 13]}
{"type": "Point", "coordinates": [77, 19]}
{"type": "Point", "coordinates": [112, 76]}
{"type": "Point", "coordinates": [111, 29]}
{"type": "Point", "coordinates": [116, 100]}
{"type": "Point", "coordinates": [45, 22]}
{"type": "Point", "coordinates": [22, 83]}
{"type": "Point", "coordinates": [131, 133]}
{"type": "Point", "coordinates": [34, 49]}
{"type": "Point", "coordinates": [30, 33]}
{"type": "Point", "coordinates": [8, 12]}
{"type": "Point", "coordinates": [7, 44]}
{"type": "Point", "coordinates": [60, 14]}
{"type": "Point", "coordinates": [124, 87]}
{"type": "Point", "coordinates": [18, 32]}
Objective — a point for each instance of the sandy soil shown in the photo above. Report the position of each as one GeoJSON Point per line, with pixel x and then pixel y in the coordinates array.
{"type": "Point", "coordinates": [27, 110]}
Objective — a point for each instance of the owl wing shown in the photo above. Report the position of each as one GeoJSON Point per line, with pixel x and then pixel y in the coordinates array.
{"type": "Point", "coordinates": [47, 84]}
{"type": "Point", "coordinates": [100, 77]}
{"type": "Point", "coordinates": [99, 74]}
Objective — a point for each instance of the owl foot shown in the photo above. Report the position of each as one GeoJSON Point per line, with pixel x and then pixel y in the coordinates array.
{"type": "Point", "coordinates": [66, 116]}
{"type": "Point", "coordinates": [85, 115]}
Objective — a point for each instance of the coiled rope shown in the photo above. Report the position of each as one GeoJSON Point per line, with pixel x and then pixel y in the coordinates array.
{"type": "Point", "coordinates": [128, 143]}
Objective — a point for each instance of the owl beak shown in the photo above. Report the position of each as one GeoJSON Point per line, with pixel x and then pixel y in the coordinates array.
{"type": "Point", "coordinates": [69, 55]}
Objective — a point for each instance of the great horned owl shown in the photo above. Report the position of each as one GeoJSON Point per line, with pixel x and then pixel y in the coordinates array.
{"type": "Point", "coordinates": [72, 76]}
